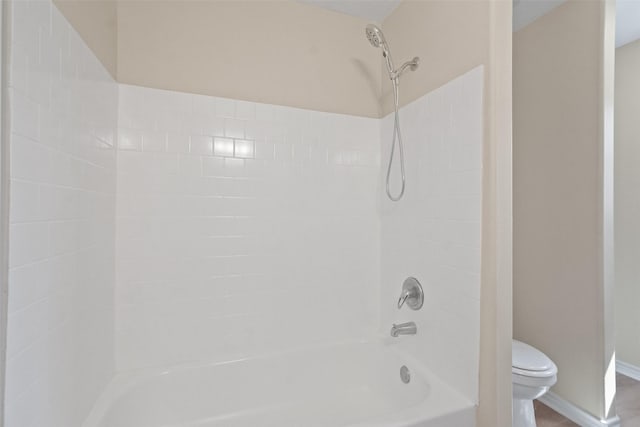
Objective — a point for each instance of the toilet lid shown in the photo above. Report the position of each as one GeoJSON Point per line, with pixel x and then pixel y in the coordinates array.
{"type": "Point", "coordinates": [528, 358]}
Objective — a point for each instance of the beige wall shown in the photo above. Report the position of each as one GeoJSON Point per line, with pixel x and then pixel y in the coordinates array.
{"type": "Point", "coordinates": [562, 76]}
{"type": "Point", "coordinates": [497, 234]}
{"type": "Point", "coordinates": [326, 65]}
{"type": "Point", "coordinates": [452, 37]}
{"type": "Point", "coordinates": [627, 202]}
{"type": "Point", "coordinates": [95, 21]}
{"type": "Point", "coordinates": [278, 52]}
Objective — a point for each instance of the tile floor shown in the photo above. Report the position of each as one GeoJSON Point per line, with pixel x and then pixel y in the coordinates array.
{"type": "Point", "coordinates": [627, 402]}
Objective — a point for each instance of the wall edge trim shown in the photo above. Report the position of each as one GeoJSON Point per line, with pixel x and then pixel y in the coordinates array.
{"type": "Point", "coordinates": [575, 413]}
{"type": "Point", "coordinates": [627, 369]}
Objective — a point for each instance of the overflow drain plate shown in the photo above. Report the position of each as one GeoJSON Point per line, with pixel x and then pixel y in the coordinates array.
{"type": "Point", "coordinates": [405, 375]}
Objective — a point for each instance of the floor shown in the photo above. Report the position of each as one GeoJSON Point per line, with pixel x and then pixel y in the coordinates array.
{"type": "Point", "coordinates": [627, 403]}
{"type": "Point", "coordinates": [547, 417]}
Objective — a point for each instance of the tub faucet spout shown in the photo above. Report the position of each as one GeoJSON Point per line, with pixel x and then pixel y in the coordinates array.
{"type": "Point", "coordinates": [408, 328]}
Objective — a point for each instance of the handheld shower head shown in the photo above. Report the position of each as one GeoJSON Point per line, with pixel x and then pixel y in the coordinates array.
{"type": "Point", "coordinates": [375, 36]}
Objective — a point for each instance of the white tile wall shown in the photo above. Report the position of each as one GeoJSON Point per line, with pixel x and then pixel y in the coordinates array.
{"type": "Point", "coordinates": [434, 232]}
{"type": "Point", "coordinates": [62, 222]}
{"type": "Point", "coordinates": [238, 228]}
{"type": "Point", "coordinates": [242, 228]}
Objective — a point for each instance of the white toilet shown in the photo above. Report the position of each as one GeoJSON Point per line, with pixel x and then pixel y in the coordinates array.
{"type": "Point", "coordinates": [532, 374]}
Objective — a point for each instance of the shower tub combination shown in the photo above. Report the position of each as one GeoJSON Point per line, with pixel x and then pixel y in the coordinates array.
{"type": "Point", "coordinates": [356, 383]}
{"type": "Point", "coordinates": [348, 384]}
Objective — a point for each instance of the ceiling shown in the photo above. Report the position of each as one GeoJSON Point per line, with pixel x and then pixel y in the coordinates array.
{"type": "Point", "coordinates": [524, 13]}
{"type": "Point", "coordinates": [627, 16]}
{"type": "Point", "coordinates": [527, 11]}
{"type": "Point", "coordinates": [627, 21]}
{"type": "Point", "coordinates": [371, 10]}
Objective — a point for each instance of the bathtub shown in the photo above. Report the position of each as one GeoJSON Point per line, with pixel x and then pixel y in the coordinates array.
{"type": "Point", "coordinates": [354, 384]}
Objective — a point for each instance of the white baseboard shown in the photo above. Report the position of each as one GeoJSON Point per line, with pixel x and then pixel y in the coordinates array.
{"type": "Point", "coordinates": [575, 414]}
{"type": "Point", "coordinates": [628, 370]}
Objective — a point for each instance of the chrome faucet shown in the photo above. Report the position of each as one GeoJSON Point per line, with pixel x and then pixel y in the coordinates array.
{"type": "Point", "coordinates": [412, 294]}
{"type": "Point", "coordinates": [408, 328]}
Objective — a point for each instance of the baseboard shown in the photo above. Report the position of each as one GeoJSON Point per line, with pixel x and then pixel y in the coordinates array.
{"type": "Point", "coordinates": [575, 414]}
{"type": "Point", "coordinates": [628, 370]}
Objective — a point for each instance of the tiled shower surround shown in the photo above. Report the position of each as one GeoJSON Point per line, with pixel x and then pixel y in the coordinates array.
{"type": "Point", "coordinates": [243, 228]}
{"type": "Point", "coordinates": [63, 109]}
{"type": "Point", "coordinates": [221, 229]}
{"type": "Point", "coordinates": [434, 233]}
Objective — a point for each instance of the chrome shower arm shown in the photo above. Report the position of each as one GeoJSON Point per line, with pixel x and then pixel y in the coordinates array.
{"type": "Point", "coordinates": [412, 65]}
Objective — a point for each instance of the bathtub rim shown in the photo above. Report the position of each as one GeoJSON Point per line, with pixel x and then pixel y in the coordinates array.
{"type": "Point", "coordinates": [124, 381]}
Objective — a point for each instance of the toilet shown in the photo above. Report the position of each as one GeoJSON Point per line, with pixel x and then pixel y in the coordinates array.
{"type": "Point", "coordinates": [532, 375]}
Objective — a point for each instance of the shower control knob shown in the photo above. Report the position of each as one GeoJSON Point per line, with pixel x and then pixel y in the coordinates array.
{"type": "Point", "coordinates": [412, 294]}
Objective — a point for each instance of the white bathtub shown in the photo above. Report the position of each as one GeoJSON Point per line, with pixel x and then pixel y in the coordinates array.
{"type": "Point", "coordinates": [354, 384]}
